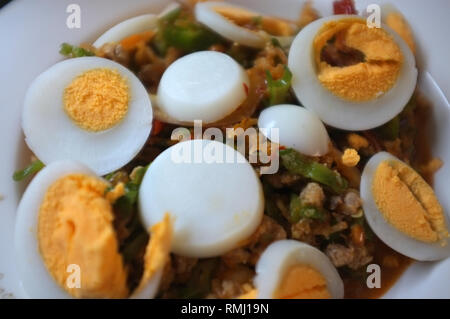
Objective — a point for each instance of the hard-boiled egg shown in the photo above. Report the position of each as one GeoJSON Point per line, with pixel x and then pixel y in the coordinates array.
{"type": "Point", "coordinates": [397, 22]}
{"type": "Point", "coordinates": [88, 109]}
{"type": "Point", "coordinates": [402, 209]}
{"type": "Point", "coordinates": [352, 76]}
{"type": "Point", "coordinates": [127, 28]}
{"type": "Point", "coordinates": [204, 85]}
{"type": "Point", "coordinates": [242, 25]}
{"type": "Point", "coordinates": [289, 269]}
{"type": "Point", "coordinates": [135, 25]}
{"type": "Point", "coordinates": [298, 127]}
{"type": "Point", "coordinates": [211, 190]}
{"type": "Point", "coordinates": [66, 244]}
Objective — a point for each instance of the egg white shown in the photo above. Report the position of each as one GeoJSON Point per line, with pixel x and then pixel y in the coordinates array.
{"type": "Point", "coordinates": [282, 255]}
{"type": "Point", "coordinates": [338, 112]}
{"type": "Point", "coordinates": [298, 127]}
{"type": "Point", "coordinates": [33, 273]}
{"type": "Point", "coordinates": [127, 28]}
{"type": "Point", "coordinates": [205, 14]}
{"type": "Point", "coordinates": [215, 205]}
{"type": "Point", "coordinates": [34, 276]}
{"type": "Point", "coordinates": [53, 136]}
{"type": "Point", "coordinates": [391, 236]}
{"type": "Point", "coordinates": [204, 85]}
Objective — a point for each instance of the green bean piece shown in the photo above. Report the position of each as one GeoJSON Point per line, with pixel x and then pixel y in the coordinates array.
{"type": "Point", "coordinates": [298, 210]}
{"type": "Point", "coordinates": [31, 169]}
{"type": "Point", "coordinates": [182, 32]}
{"type": "Point", "coordinates": [73, 51]}
{"type": "Point", "coordinates": [278, 89]}
{"type": "Point", "coordinates": [299, 164]}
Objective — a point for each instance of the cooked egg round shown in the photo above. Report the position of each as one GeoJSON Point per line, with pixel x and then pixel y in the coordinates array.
{"type": "Point", "coordinates": [127, 28]}
{"type": "Point", "coordinates": [49, 222]}
{"type": "Point", "coordinates": [64, 227]}
{"type": "Point", "coordinates": [216, 202]}
{"type": "Point", "coordinates": [230, 21]}
{"type": "Point", "coordinates": [402, 209]}
{"type": "Point", "coordinates": [298, 127]}
{"type": "Point", "coordinates": [88, 109]}
{"type": "Point", "coordinates": [372, 84]}
{"type": "Point", "coordinates": [289, 269]}
{"type": "Point", "coordinates": [204, 85]}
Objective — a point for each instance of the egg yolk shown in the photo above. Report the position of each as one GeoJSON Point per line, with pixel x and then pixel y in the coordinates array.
{"type": "Point", "coordinates": [302, 282]}
{"type": "Point", "coordinates": [408, 203]}
{"type": "Point", "coordinates": [158, 250]}
{"type": "Point", "coordinates": [365, 62]}
{"type": "Point", "coordinates": [397, 23]}
{"type": "Point", "coordinates": [97, 99]}
{"type": "Point", "coordinates": [350, 158]}
{"type": "Point", "coordinates": [75, 226]}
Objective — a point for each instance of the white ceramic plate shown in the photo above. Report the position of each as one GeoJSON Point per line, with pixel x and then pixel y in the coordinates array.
{"type": "Point", "coordinates": [32, 30]}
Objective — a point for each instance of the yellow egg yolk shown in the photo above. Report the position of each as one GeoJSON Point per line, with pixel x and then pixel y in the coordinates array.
{"type": "Point", "coordinates": [97, 99]}
{"type": "Point", "coordinates": [302, 282]}
{"type": "Point", "coordinates": [75, 226]}
{"type": "Point", "coordinates": [158, 250]}
{"type": "Point", "coordinates": [350, 158]}
{"type": "Point", "coordinates": [367, 79]}
{"type": "Point", "coordinates": [398, 23]}
{"type": "Point", "coordinates": [408, 203]}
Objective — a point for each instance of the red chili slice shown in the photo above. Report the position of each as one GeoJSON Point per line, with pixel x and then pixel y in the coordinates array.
{"type": "Point", "coordinates": [344, 7]}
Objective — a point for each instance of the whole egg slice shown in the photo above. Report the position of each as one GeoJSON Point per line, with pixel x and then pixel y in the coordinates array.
{"type": "Point", "coordinates": [289, 269]}
{"type": "Point", "coordinates": [365, 94]}
{"type": "Point", "coordinates": [204, 85]}
{"type": "Point", "coordinates": [55, 234]}
{"type": "Point", "coordinates": [87, 109]}
{"type": "Point", "coordinates": [212, 192]}
{"type": "Point", "coordinates": [298, 127]}
{"type": "Point", "coordinates": [402, 209]}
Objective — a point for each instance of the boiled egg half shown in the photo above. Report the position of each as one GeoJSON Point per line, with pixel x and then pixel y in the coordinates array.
{"type": "Point", "coordinates": [289, 269]}
{"type": "Point", "coordinates": [298, 128]}
{"type": "Point", "coordinates": [352, 76]}
{"type": "Point", "coordinates": [241, 25]}
{"type": "Point", "coordinates": [65, 242]}
{"type": "Point", "coordinates": [87, 109]}
{"type": "Point", "coordinates": [402, 209]}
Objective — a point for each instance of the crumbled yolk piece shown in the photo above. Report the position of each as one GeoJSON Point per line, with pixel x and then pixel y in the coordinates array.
{"type": "Point", "coordinates": [398, 23]}
{"type": "Point", "coordinates": [408, 203]}
{"type": "Point", "coordinates": [365, 80]}
{"type": "Point", "coordinates": [357, 141]}
{"type": "Point", "coordinates": [242, 17]}
{"type": "Point", "coordinates": [97, 99]}
{"type": "Point", "coordinates": [75, 226]}
{"type": "Point", "coordinates": [302, 282]}
{"type": "Point", "coordinates": [116, 192]}
{"type": "Point", "coordinates": [350, 158]}
{"type": "Point", "coordinates": [158, 249]}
